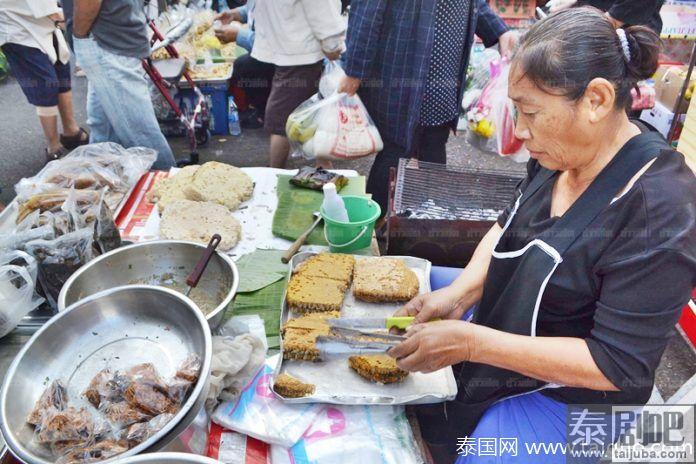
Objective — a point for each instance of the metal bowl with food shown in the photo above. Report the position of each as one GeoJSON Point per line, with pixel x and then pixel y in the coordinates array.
{"type": "Point", "coordinates": [164, 263]}
{"type": "Point", "coordinates": [116, 329]}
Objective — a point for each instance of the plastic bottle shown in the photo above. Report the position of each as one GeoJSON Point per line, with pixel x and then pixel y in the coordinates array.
{"type": "Point", "coordinates": [333, 205]}
{"type": "Point", "coordinates": [233, 126]}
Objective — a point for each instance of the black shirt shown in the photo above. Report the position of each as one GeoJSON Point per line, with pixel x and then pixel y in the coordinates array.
{"type": "Point", "coordinates": [631, 12]}
{"type": "Point", "coordinates": [623, 283]}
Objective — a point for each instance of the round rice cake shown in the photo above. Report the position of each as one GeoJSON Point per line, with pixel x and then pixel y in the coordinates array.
{"type": "Point", "coordinates": [171, 189]}
{"type": "Point", "coordinates": [197, 221]}
{"type": "Point", "coordinates": [220, 183]}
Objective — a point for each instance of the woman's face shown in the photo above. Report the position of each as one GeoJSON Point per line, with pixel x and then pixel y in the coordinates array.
{"type": "Point", "coordinates": [556, 131]}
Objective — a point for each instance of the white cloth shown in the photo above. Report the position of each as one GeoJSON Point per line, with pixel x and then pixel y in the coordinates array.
{"type": "Point", "coordinates": [294, 32]}
{"type": "Point", "coordinates": [235, 362]}
{"type": "Point", "coordinates": [26, 22]}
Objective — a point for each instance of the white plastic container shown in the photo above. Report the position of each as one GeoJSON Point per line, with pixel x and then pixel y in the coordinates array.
{"type": "Point", "coordinates": [333, 204]}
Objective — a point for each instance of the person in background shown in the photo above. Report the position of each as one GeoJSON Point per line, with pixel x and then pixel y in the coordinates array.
{"type": "Point", "coordinates": [295, 36]}
{"type": "Point", "coordinates": [408, 61]}
{"type": "Point", "coordinates": [110, 38]}
{"type": "Point", "coordinates": [249, 74]}
{"type": "Point", "coordinates": [620, 12]}
{"type": "Point", "coordinates": [40, 60]}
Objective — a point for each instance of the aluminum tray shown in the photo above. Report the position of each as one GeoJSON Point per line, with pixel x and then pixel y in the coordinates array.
{"type": "Point", "coordinates": [337, 383]}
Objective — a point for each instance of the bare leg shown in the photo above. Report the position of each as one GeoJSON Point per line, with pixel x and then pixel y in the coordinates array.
{"type": "Point", "coordinates": [67, 116]}
{"type": "Point", "coordinates": [280, 148]}
{"type": "Point", "coordinates": [50, 128]}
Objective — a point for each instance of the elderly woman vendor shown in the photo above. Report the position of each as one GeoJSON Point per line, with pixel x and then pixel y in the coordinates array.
{"type": "Point", "coordinates": [580, 283]}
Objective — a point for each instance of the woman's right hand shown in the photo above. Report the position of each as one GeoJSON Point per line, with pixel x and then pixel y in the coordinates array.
{"type": "Point", "coordinates": [445, 303]}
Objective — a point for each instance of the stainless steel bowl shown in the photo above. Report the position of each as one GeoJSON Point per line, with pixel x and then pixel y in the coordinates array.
{"type": "Point", "coordinates": [116, 328]}
{"type": "Point", "coordinates": [152, 263]}
{"type": "Point", "coordinates": [168, 458]}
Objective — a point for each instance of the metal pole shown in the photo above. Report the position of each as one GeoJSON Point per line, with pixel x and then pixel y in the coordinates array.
{"type": "Point", "coordinates": [677, 104]}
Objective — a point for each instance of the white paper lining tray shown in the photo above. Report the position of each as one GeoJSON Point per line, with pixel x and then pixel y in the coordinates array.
{"type": "Point", "coordinates": [337, 383]}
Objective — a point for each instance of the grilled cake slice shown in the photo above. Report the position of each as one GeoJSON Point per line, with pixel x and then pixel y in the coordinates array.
{"type": "Point", "coordinates": [315, 294]}
{"type": "Point", "coordinates": [328, 265]}
{"type": "Point", "coordinates": [300, 336]}
{"type": "Point", "coordinates": [379, 368]}
{"type": "Point", "coordinates": [290, 387]}
{"type": "Point", "coordinates": [384, 280]}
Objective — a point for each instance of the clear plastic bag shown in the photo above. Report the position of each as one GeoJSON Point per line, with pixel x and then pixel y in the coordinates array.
{"type": "Point", "coordinates": [18, 272]}
{"type": "Point", "coordinates": [354, 435]}
{"type": "Point", "coordinates": [260, 414]}
{"type": "Point", "coordinates": [332, 125]}
{"type": "Point", "coordinates": [330, 79]}
{"type": "Point", "coordinates": [91, 167]}
{"type": "Point", "coordinates": [59, 258]}
{"type": "Point", "coordinates": [492, 115]}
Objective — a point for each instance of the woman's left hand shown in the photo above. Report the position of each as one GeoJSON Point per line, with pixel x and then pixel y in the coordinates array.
{"type": "Point", "coordinates": [433, 345]}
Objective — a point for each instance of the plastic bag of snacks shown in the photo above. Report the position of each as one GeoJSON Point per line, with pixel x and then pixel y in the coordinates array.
{"type": "Point", "coordinates": [17, 281]}
{"type": "Point", "coordinates": [492, 116]}
{"type": "Point", "coordinates": [354, 435]}
{"type": "Point", "coordinates": [332, 125]}
{"type": "Point", "coordinates": [260, 414]}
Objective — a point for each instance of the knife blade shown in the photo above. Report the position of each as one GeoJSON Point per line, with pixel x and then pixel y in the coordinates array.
{"type": "Point", "coordinates": [399, 322]}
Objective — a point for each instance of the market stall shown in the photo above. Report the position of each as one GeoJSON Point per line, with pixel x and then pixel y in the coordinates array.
{"type": "Point", "coordinates": [249, 378]}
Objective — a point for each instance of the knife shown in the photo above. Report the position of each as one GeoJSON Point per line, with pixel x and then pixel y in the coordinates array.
{"type": "Point", "coordinates": [399, 322]}
{"type": "Point", "coordinates": [343, 341]}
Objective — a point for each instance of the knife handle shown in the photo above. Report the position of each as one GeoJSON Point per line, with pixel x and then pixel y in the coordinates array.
{"type": "Point", "coordinates": [399, 322]}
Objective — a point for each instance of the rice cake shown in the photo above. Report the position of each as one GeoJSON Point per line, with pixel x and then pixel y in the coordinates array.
{"type": "Point", "coordinates": [328, 265]}
{"type": "Point", "coordinates": [384, 280]}
{"type": "Point", "coordinates": [197, 222]}
{"type": "Point", "coordinates": [220, 183]}
{"type": "Point", "coordinates": [379, 368]}
{"type": "Point", "coordinates": [315, 294]}
{"type": "Point", "coordinates": [290, 387]}
{"type": "Point", "coordinates": [300, 336]}
{"type": "Point", "coordinates": [170, 189]}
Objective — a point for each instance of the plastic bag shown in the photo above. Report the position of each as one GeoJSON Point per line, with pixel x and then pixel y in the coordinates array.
{"type": "Point", "coordinates": [332, 125]}
{"type": "Point", "coordinates": [231, 447]}
{"type": "Point", "coordinates": [330, 79]}
{"type": "Point", "coordinates": [18, 272]}
{"type": "Point", "coordinates": [354, 435]}
{"type": "Point", "coordinates": [492, 115]}
{"type": "Point", "coordinates": [260, 414]}
{"type": "Point", "coordinates": [31, 228]}
{"type": "Point", "coordinates": [91, 167]}
{"type": "Point", "coordinates": [59, 258]}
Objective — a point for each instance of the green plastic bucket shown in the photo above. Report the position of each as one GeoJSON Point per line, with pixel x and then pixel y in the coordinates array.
{"type": "Point", "coordinates": [344, 237]}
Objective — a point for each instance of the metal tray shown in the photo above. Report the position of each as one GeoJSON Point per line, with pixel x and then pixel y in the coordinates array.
{"type": "Point", "coordinates": [337, 383]}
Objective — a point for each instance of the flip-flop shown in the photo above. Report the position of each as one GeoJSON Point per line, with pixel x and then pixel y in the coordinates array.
{"type": "Point", "coordinates": [73, 141]}
{"type": "Point", "coordinates": [54, 155]}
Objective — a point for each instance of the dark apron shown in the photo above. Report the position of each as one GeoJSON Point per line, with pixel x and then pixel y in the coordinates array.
{"type": "Point", "coordinates": [516, 281]}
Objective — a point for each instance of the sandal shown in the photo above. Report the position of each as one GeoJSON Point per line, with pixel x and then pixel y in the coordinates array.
{"type": "Point", "coordinates": [73, 141]}
{"type": "Point", "coordinates": [55, 155]}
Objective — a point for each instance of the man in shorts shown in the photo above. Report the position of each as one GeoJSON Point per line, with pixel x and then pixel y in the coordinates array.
{"type": "Point", "coordinates": [295, 36]}
{"type": "Point", "coordinates": [40, 61]}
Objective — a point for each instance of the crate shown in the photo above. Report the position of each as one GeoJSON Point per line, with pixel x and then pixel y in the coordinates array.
{"type": "Point", "coordinates": [216, 95]}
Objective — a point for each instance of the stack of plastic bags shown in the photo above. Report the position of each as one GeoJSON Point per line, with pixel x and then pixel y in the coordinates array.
{"type": "Point", "coordinates": [332, 125]}
{"type": "Point", "coordinates": [319, 433]}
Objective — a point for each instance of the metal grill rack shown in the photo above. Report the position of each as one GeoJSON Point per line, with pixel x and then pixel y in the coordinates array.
{"type": "Point", "coordinates": [440, 212]}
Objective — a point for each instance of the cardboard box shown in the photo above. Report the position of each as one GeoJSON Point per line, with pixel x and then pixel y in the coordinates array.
{"type": "Point", "coordinates": [660, 117]}
{"type": "Point", "coordinates": [669, 80]}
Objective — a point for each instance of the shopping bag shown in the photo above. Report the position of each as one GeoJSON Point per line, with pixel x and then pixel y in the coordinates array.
{"type": "Point", "coordinates": [336, 126]}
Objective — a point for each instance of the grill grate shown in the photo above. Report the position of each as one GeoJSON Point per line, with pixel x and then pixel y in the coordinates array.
{"type": "Point", "coordinates": [436, 191]}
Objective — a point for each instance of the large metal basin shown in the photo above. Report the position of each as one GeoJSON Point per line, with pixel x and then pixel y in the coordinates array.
{"type": "Point", "coordinates": [153, 263]}
{"type": "Point", "coordinates": [168, 458]}
{"type": "Point", "coordinates": [117, 328]}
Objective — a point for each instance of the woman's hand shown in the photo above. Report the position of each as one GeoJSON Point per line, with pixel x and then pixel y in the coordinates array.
{"type": "Point", "coordinates": [228, 16]}
{"type": "Point", "coordinates": [445, 303]}
{"type": "Point", "coordinates": [228, 33]}
{"type": "Point", "coordinates": [430, 347]}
